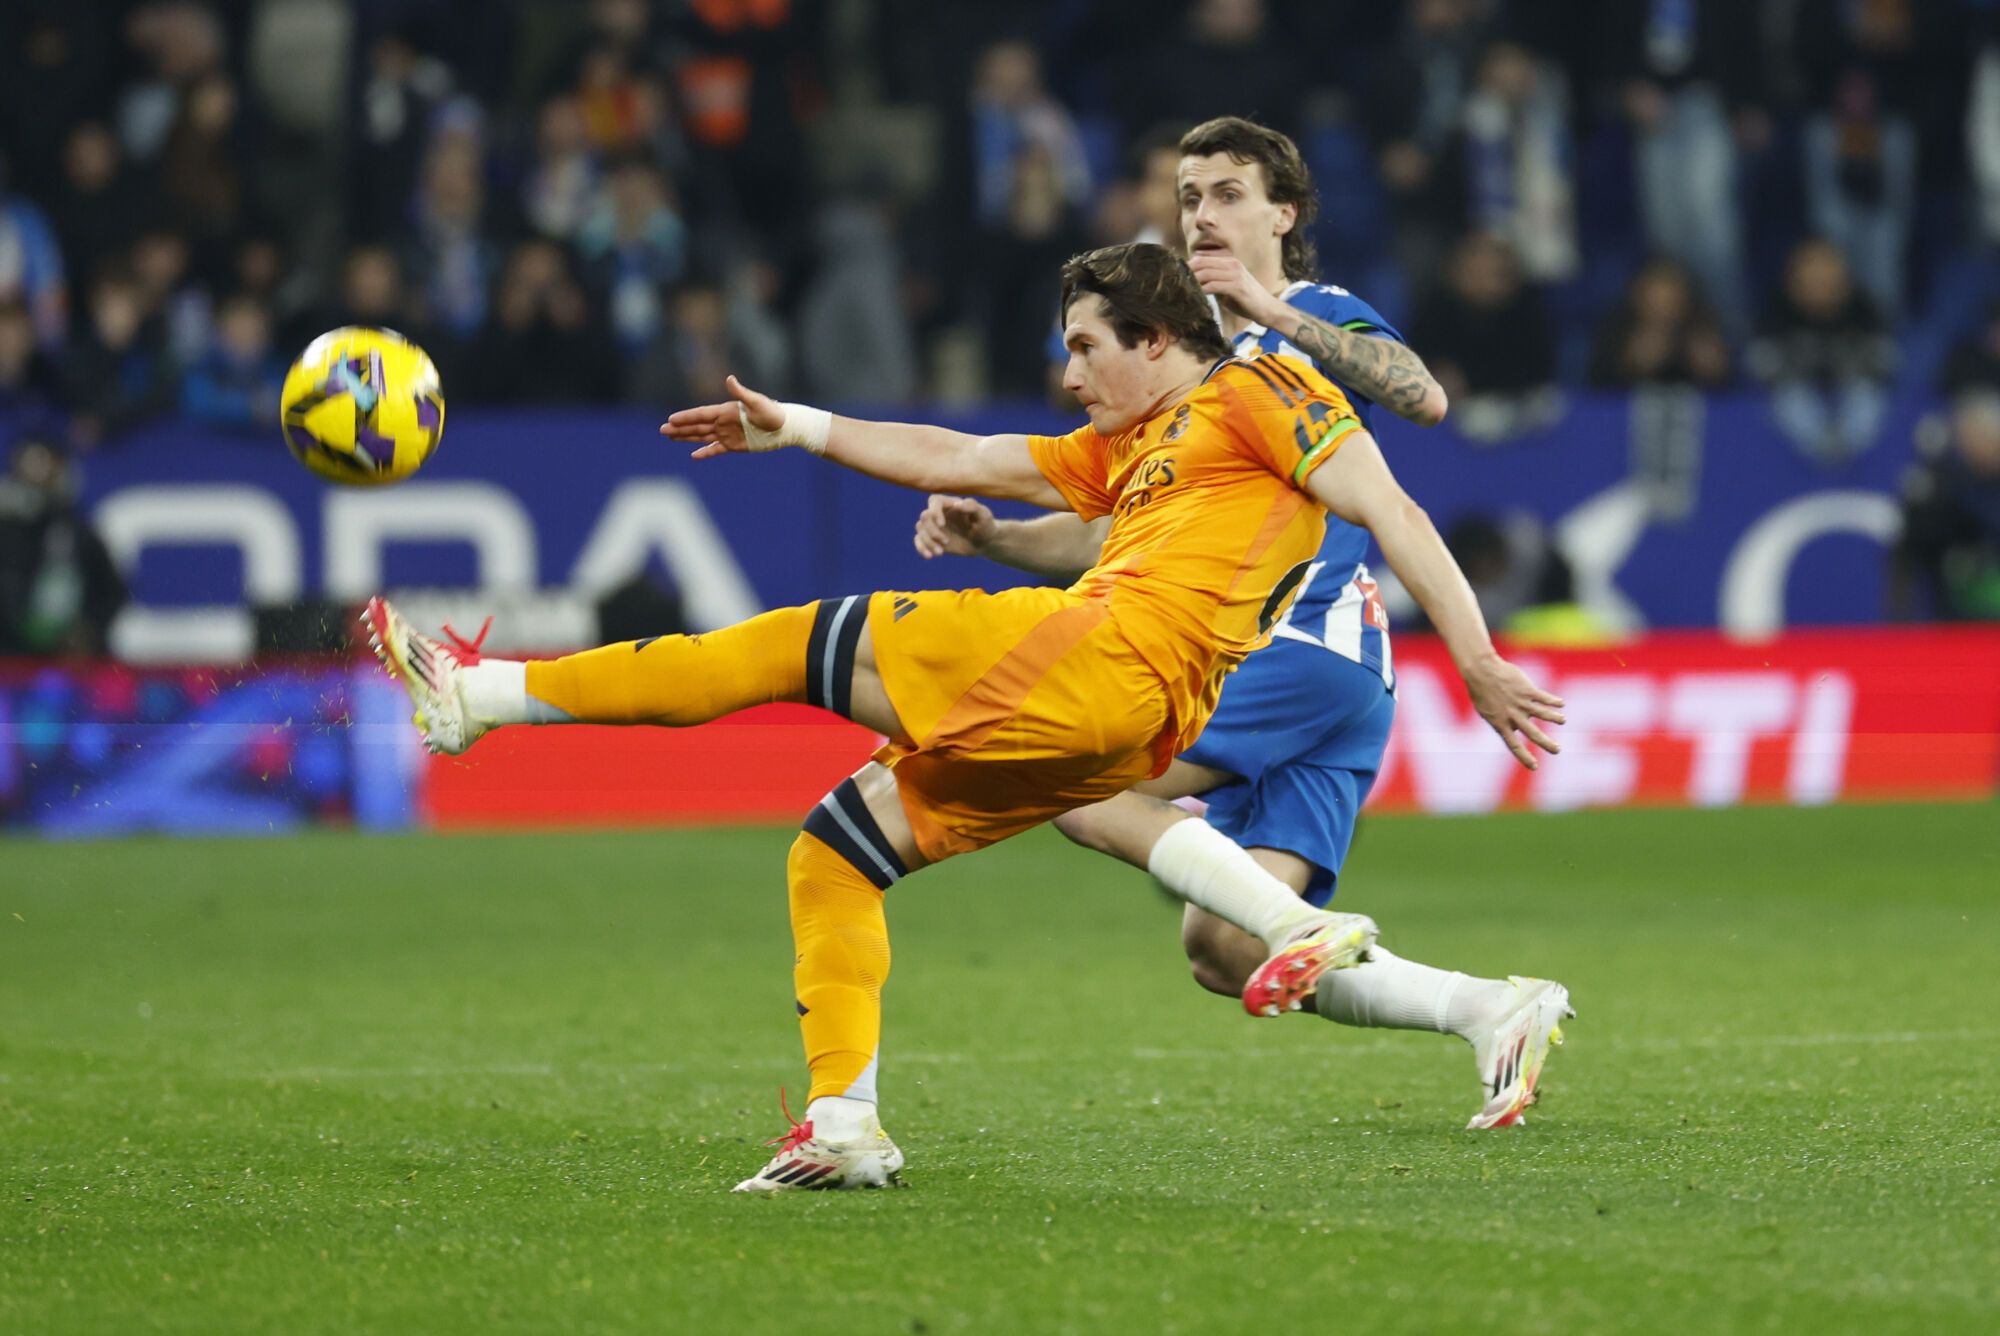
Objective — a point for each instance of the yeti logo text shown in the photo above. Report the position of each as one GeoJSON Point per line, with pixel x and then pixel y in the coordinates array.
{"type": "Point", "coordinates": [1706, 737]}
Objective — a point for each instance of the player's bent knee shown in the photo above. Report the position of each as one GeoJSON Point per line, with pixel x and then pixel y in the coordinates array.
{"type": "Point", "coordinates": [842, 822]}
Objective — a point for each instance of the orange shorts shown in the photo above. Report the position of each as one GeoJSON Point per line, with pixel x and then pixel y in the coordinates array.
{"type": "Point", "coordinates": [1020, 706]}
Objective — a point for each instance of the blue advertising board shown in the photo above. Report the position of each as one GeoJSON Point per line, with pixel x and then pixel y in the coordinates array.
{"type": "Point", "coordinates": [1756, 538]}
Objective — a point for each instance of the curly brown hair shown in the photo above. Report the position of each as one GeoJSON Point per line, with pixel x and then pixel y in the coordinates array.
{"type": "Point", "coordinates": [1287, 179]}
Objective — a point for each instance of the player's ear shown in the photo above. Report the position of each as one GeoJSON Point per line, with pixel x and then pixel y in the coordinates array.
{"type": "Point", "coordinates": [1288, 218]}
{"type": "Point", "coordinates": [1157, 343]}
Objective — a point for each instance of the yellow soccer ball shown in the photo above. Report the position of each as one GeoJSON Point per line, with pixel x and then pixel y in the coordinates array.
{"type": "Point", "coordinates": [362, 406]}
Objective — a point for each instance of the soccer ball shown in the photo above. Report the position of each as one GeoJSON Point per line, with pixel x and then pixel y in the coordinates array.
{"type": "Point", "coordinates": [362, 406]}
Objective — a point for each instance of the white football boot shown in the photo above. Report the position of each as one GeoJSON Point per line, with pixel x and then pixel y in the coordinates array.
{"type": "Point", "coordinates": [430, 671]}
{"type": "Point", "coordinates": [1511, 1054]}
{"type": "Point", "coordinates": [805, 1162]}
{"type": "Point", "coordinates": [1331, 942]}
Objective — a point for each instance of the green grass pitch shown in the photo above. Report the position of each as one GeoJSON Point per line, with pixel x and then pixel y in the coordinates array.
{"type": "Point", "coordinates": [337, 1083]}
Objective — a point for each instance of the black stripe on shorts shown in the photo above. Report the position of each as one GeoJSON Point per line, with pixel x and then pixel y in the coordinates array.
{"type": "Point", "coordinates": [836, 631]}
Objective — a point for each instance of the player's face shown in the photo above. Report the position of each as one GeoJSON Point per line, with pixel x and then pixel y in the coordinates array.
{"type": "Point", "coordinates": [1115, 384]}
{"type": "Point", "coordinates": [1224, 210]}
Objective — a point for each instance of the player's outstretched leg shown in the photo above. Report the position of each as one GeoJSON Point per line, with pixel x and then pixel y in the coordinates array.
{"type": "Point", "coordinates": [839, 868]}
{"type": "Point", "coordinates": [431, 671]}
{"type": "Point", "coordinates": [1511, 1023]}
{"type": "Point", "coordinates": [790, 654]}
{"type": "Point", "coordinates": [1511, 1051]}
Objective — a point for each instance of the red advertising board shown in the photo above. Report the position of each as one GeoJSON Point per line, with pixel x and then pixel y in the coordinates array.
{"type": "Point", "coordinates": [1692, 718]}
{"type": "Point", "coordinates": [1686, 718]}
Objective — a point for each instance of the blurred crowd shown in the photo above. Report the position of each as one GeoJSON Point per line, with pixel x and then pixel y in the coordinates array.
{"type": "Point", "coordinates": [866, 200]}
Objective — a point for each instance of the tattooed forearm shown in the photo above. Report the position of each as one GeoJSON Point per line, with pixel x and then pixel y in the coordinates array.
{"type": "Point", "coordinates": [1386, 371]}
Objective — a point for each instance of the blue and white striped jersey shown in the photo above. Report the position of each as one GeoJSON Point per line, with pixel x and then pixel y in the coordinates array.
{"type": "Point", "coordinates": [1337, 606]}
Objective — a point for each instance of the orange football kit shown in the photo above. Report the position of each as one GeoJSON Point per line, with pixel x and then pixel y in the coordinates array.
{"type": "Point", "coordinates": [1021, 705]}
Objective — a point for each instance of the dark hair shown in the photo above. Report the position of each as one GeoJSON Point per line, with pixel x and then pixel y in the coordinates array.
{"type": "Point", "coordinates": [1287, 179]}
{"type": "Point", "coordinates": [1146, 289]}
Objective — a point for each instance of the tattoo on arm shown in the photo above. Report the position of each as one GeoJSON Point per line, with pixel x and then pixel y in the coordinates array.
{"type": "Point", "coordinates": [1386, 371]}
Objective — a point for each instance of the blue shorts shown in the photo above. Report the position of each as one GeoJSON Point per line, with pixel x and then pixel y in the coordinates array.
{"type": "Point", "coordinates": [1305, 728]}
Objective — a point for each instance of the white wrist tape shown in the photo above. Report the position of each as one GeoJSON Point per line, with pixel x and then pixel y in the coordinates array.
{"type": "Point", "coordinates": [804, 426]}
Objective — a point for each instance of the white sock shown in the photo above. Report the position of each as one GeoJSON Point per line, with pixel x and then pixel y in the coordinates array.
{"type": "Point", "coordinates": [1207, 869]}
{"type": "Point", "coordinates": [1386, 992]}
{"type": "Point", "coordinates": [838, 1118]}
{"type": "Point", "coordinates": [496, 692]}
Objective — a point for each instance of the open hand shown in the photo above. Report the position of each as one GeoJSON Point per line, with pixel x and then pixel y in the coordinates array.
{"type": "Point", "coordinates": [719, 428]}
{"type": "Point", "coordinates": [954, 526]}
{"type": "Point", "coordinates": [1510, 701]}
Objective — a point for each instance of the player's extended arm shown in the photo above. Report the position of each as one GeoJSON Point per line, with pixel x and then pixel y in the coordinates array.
{"type": "Point", "coordinates": [930, 459]}
{"type": "Point", "coordinates": [1062, 546]}
{"type": "Point", "coordinates": [1357, 486]}
{"type": "Point", "coordinates": [1386, 371]}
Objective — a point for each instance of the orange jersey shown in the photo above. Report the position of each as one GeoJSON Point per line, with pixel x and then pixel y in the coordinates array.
{"type": "Point", "coordinates": [1211, 527]}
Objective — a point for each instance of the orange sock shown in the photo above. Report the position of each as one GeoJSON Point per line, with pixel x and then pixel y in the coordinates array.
{"type": "Point", "coordinates": [842, 939]}
{"type": "Point", "coordinates": [791, 654]}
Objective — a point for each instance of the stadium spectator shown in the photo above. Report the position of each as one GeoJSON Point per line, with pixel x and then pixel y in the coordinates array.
{"type": "Point", "coordinates": [1225, 59]}
{"type": "Point", "coordinates": [692, 354]}
{"type": "Point", "coordinates": [1863, 68]}
{"type": "Point", "coordinates": [763, 339]}
{"type": "Point", "coordinates": [624, 109]}
{"type": "Point", "coordinates": [1016, 260]}
{"type": "Point", "coordinates": [714, 329]}
{"type": "Point", "coordinates": [1660, 333]}
{"type": "Point", "coordinates": [1030, 178]}
{"type": "Point", "coordinates": [54, 73]}
{"type": "Point", "coordinates": [260, 266]}
{"type": "Point", "coordinates": [182, 44]}
{"type": "Point", "coordinates": [1825, 354]}
{"type": "Point", "coordinates": [397, 102]}
{"type": "Point", "coordinates": [1414, 109]}
{"type": "Point", "coordinates": [161, 262]}
{"type": "Point", "coordinates": [452, 249]}
{"type": "Point", "coordinates": [854, 336]}
{"type": "Point", "coordinates": [633, 244]}
{"type": "Point", "coordinates": [31, 263]}
{"type": "Point", "coordinates": [200, 176]}
{"type": "Point", "coordinates": [1949, 551]}
{"type": "Point", "coordinates": [30, 385]}
{"type": "Point", "coordinates": [98, 206]}
{"type": "Point", "coordinates": [117, 370]}
{"type": "Point", "coordinates": [562, 183]}
{"type": "Point", "coordinates": [1517, 156]}
{"type": "Point", "coordinates": [1489, 342]}
{"type": "Point", "coordinates": [1144, 204]}
{"type": "Point", "coordinates": [544, 344]}
{"type": "Point", "coordinates": [1688, 74]}
{"type": "Point", "coordinates": [58, 587]}
{"type": "Point", "coordinates": [1014, 116]}
{"type": "Point", "coordinates": [747, 75]}
{"type": "Point", "coordinates": [372, 291]}
{"type": "Point", "coordinates": [236, 385]}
